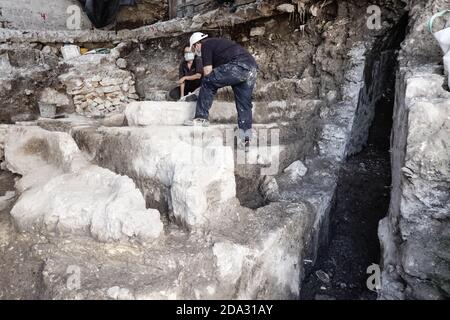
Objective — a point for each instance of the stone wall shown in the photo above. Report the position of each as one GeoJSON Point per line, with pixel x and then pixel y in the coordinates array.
{"type": "Point", "coordinates": [35, 75]}
{"type": "Point", "coordinates": [38, 14]}
{"type": "Point", "coordinates": [99, 203]}
{"type": "Point", "coordinates": [379, 66]}
{"type": "Point", "coordinates": [415, 236]}
{"type": "Point", "coordinates": [99, 83]}
{"type": "Point", "coordinates": [292, 63]}
{"type": "Point", "coordinates": [144, 13]}
{"type": "Point", "coordinates": [25, 71]}
{"type": "Point", "coordinates": [189, 8]}
{"type": "Point", "coordinates": [53, 15]}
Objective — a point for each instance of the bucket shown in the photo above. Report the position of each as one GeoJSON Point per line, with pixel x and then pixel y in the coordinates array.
{"type": "Point", "coordinates": [443, 38]}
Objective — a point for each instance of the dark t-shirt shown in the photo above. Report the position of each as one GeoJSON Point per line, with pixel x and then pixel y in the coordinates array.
{"type": "Point", "coordinates": [197, 67]}
{"type": "Point", "coordinates": [219, 51]}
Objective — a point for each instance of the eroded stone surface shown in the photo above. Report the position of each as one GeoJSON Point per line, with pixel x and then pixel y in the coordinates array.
{"type": "Point", "coordinates": [184, 168]}
{"type": "Point", "coordinates": [62, 193]}
{"type": "Point", "coordinates": [147, 113]}
{"type": "Point", "coordinates": [262, 246]}
{"type": "Point", "coordinates": [317, 186]}
{"type": "Point", "coordinates": [420, 185]}
{"type": "Point", "coordinates": [415, 234]}
{"type": "Point", "coordinates": [159, 29]}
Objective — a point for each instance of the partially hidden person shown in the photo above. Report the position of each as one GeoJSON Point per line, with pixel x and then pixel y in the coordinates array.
{"type": "Point", "coordinates": [190, 77]}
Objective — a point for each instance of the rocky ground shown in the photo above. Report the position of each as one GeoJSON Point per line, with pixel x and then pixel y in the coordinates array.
{"type": "Point", "coordinates": [21, 278]}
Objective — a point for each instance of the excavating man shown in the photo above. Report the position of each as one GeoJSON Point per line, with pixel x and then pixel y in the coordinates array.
{"type": "Point", "coordinates": [225, 63]}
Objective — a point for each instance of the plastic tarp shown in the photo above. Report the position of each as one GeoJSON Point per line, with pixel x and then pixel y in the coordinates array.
{"type": "Point", "coordinates": [443, 38]}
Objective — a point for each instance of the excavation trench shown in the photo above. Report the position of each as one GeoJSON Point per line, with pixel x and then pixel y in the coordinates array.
{"type": "Point", "coordinates": [363, 191]}
{"type": "Point", "coordinates": [269, 233]}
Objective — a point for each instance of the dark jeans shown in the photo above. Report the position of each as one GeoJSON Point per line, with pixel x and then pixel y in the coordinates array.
{"type": "Point", "coordinates": [241, 77]}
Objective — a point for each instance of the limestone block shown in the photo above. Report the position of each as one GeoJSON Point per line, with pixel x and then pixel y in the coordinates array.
{"type": "Point", "coordinates": [113, 95]}
{"type": "Point", "coordinates": [62, 193]}
{"type": "Point", "coordinates": [156, 95]}
{"type": "Point", "coordinates": [78, 98]}
{"type": "Point", "coordinates": [248, 255]}
{"type": "Point", "coordinates": [199, 183]}
{"type": "Point", "coordinates": [266, 248]}
{"type": "Point", "coordinates": [159, 113]}
{"type": "Point", "coordinates": [420, 201]}
{"type": "Point", "coordinates": [7, 199]}
{"type": "Point", "coordinates": [230, 258]}
{"type": "Point", "coordinates": [110, 89]}
{"type": "Point", "coordinates": [72, 83]}
{"type": "Point", "coordinates": [257, 31]}
{"type": "Point", "coordinates": [423, 86]}
{"type": "Point", "coordinates": [93, 201]}
{"type": "Point", "coordinates": [296, 170]}
{"type": "Point", "coordinates": [4, 62]}
{"type": "Point", "coordinates": [98, 100]}
{"type": "Point", "coordinates": [286, 7]}
{"type": "Point", "coordinates": [96, 78]}
{"type": "Point", "coordinates": [110, 82]}
{"type": "Point", "coordinates": [146, 113]}
{"type": "Point", "coordinates": [121, 63]}
{"type": "Point", "coordinates": [3, 132]}
{"type": "Point", "coordinates": [190, 167]}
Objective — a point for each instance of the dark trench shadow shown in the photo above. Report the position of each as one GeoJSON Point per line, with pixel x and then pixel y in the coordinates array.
{"type": "Point", "coordinates": [362, 200]}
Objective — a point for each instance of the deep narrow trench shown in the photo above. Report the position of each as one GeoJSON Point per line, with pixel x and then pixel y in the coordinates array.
{"type": "Point", "coordinates": [362, 200]}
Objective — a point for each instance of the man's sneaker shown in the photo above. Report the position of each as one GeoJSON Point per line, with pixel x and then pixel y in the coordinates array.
{"type": "Point", "coordinates": [197, 122]}
{"type": "Point", "coordinates": [244, 144]}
